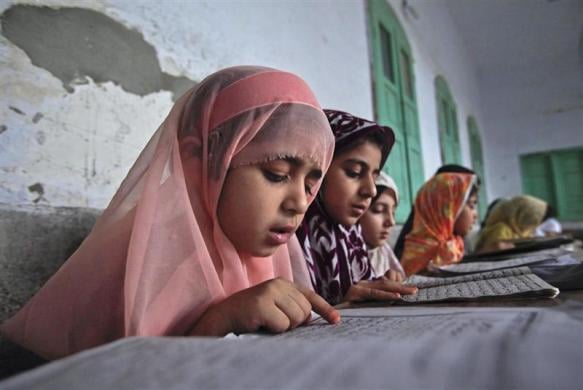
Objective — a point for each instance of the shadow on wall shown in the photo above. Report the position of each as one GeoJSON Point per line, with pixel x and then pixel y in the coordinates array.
{"type": "Point", "coordinates": [74, 44]}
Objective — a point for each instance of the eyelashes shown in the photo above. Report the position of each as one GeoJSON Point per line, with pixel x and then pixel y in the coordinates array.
{"type": "Point", "coordinates": [274, 177]}
{"type": "Point", "coordinates": [352, 173]}
{"type": "Point", "coordinates": [277, 178]}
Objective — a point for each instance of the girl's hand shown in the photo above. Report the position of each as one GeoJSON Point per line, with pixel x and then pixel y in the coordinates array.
{"type": "Point", "coordinates": [276, 305]}
{"type": "Point", "coordinates": [380, 289]}
{"type": "Point", "coordinates": [394, 276]}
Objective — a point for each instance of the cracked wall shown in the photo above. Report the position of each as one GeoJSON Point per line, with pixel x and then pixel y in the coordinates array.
{"type": "Point", "coordinates": [85, 83]}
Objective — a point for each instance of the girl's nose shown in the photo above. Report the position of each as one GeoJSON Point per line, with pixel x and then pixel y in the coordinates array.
{"type": "Point", "coordinates": [296, 200]}
{"type": "Point", "coordinates": [368, 187]}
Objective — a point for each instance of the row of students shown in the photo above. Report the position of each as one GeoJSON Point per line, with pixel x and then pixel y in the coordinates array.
{"type": "Point", "coordinates": [199, 238]}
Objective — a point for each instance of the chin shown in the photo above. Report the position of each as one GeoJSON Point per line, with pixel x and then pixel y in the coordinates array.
{"type": "Point", "coordinates": [348, 222]}
{"type": "Point", "coordinates": [263, 252]}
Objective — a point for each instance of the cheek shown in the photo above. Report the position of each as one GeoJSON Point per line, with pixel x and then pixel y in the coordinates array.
{"type": "Point", "coordinates": [239, 222]}
{"type": "Point", "coordinates": [338, 189]}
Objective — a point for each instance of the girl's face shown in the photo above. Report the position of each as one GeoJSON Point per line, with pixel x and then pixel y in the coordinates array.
{"type": "Point", "coordinates": [349, 184]}
{"type": "Point", "coordinates": [379, 219]}
{"type": "Point", "coordinates": [467, 217]}
{"type": "Point", "coordinates": [262, 205]}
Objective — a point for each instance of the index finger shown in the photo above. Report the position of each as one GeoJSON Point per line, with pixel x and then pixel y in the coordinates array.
{"type": "Point", "coordinates": [395, 287]}
{"type": "Point", "coordinates": [323, 308]}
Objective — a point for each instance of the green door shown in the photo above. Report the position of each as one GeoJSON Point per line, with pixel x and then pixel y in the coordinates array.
{"type": "Point", "coordinates": [447, 122]}
{"type": "Point", "coordinates": [395, 101]}
{"type": "Point", "coordinates": [556, 177]}
{"type": "Point", "coordinates": [478, 163]}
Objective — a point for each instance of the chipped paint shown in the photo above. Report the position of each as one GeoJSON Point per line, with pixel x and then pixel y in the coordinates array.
{"type": "Point", "coordinates": [86, 140]}
{"type": "Point", "coordinates": [16, 110]}
{"type": "Point", "coordinates": [37, 117]}
{"type": "Point", "coordinates": [86, 44]}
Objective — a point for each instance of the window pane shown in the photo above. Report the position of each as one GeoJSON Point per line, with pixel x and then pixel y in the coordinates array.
{"type": "Point", "coordinates": [444, 112]}
{"type": "Point", "coordinates": [406, 72]}
{"type": "Point", "coordinates": [387, 53]}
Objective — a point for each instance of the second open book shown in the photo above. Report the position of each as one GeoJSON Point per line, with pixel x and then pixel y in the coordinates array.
{"type": "Point", "coordinates": [509, 282]}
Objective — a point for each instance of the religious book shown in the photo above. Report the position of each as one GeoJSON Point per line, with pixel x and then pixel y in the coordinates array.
{"type": "Point", "coordinates": [518, 282]}
{"type": "Point", "coordinates": [522, 247]}
{"type": "Point", "coordinates": [543, 257]}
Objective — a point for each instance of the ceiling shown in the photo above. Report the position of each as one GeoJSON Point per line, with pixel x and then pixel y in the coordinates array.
{"type": "Point", "coordinates": [517, 34]}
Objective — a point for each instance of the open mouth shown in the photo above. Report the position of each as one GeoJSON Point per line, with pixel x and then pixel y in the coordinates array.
{"type": "Point", "coordinates": [280, 235]}
{"type": "Point", "coordinates": [359, 208]}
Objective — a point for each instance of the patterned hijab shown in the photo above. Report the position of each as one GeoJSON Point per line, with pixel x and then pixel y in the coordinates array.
{"type": "Point", "coordinates": [336, 255]}
{"type": "Point", "coordinates": [408, 225]}
{"type": "Point", "coordinates": [437, 206]}
{"type": "Point", "coordinates": [157, 257]}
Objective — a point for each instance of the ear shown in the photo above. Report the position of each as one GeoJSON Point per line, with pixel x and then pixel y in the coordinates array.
{"type": "Point", "coordinates": [190, 147]}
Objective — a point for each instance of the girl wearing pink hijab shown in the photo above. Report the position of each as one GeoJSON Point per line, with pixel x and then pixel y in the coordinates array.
{"type": "Point", "coordinates": [199, 238]}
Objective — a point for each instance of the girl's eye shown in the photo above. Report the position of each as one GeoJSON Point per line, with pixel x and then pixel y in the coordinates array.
{"type": "Point", "coordinates": [309, 190]}
{"type": "Point", "coordinates": [352, 173]}
{"type": "Point", "coordinates": [274, 177]}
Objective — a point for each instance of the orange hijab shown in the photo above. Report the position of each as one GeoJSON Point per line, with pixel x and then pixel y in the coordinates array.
{"type": "Point", "coordinates": [157, 257]}
{"type": "Point", "coordinates": [437, 207]}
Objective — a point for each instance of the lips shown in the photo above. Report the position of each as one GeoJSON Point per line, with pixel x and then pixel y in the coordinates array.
{"type": "Point", "coordinates": [281, 234]}
{"type": "Point", "coordinates": [359, 209]}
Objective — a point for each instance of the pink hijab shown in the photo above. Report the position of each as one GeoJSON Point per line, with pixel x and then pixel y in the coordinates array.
{"type": "Point", "coordinates": [157, 257]}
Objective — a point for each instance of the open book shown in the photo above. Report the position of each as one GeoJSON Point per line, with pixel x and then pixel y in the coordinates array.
{"type": "Point", "coordinates": [484, 266]}
{"type": "Point", "coordinates": [510, 282]}
{"type": "Point", "coordinates": [521, 247]}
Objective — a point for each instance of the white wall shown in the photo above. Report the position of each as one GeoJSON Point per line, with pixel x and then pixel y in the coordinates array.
{"type": "Point", "coordinates": [85, 141]}
{"type": "Point", "coordinates": [531, 109]}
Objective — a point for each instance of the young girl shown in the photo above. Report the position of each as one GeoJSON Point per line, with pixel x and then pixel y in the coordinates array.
{"type": "Point", "coordinates": [408, 225]}
{"type": "Point", "coordinates": [330, 236]}
{"type": "Point", "coordinates": [198, 240]}
{"type": "Point", "coordinates": [509, 220]}
{"type": "Point", "coordinates": [376, 225]}
{"type": "Point", "coordinates": [445, 210]}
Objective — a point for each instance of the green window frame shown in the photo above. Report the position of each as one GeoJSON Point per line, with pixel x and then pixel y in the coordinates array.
{"type": "Point", "coordinates": [395, 101]}
{"type": "Point", "coordinates": [478, 166]}
{"type": "Point", "coordinates": [557, 177]}
{"type": "Point", "coordinates": [447, 123]}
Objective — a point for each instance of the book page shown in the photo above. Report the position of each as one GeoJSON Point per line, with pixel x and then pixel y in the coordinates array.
{"type": "Point", "coordinates": [421, 281]}
{"type": "Point", "coordinates": [515, 285]}
{"type": "Point", "coordinates": [471, 349]}
{"type": "Point", "coordinates": [482, 266]}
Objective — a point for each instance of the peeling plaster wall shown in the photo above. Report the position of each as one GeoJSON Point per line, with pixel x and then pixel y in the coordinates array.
{"type": "Point", "coordinates": [72, 120]}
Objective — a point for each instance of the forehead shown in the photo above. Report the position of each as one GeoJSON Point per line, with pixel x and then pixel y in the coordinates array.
{"type": "Point", "coordinates": [386, 197]}
{"type": "Point", "coordinates": [367, 152]}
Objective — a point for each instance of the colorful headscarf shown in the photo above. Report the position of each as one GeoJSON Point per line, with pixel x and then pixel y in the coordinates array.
{"type": "Point", "coordinates": [512, 219]}
{"type": "Point", "coordinates": [336, 255]}
{"type": "Point", "coordinates": [157, 257]}
{"type": "Point", "coordinates": [437, 207]}
{"type": "Point", "coordinates": [408, 225]}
